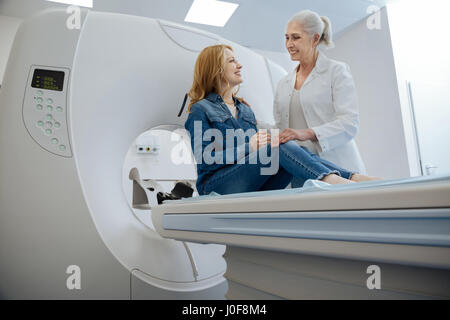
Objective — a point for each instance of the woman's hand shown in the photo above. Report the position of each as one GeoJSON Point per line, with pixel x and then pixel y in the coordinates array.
{"type": "Point", "coordinates": [297, 134]}
{"type": "Point", "coordinates": [262, 138]}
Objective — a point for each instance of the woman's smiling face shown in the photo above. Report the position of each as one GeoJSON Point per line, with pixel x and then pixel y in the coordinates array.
{"type": "Point", "coordinates": [298, 43]}
{"type": "Point", "coordinates": [232, 69]}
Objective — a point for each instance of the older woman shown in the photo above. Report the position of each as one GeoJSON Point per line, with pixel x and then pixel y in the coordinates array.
{"type": "Point", "coordinates": [216, 115]}
{"type": "Point", "coordinates": [316, 104]}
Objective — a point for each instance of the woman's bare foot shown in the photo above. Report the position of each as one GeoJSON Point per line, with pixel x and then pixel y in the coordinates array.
{"type": "Point", "coordinates": [361, 178]}
{"type": "Point", "coordinates": [335, 179]}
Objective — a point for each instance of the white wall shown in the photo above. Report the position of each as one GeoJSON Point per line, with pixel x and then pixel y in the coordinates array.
{"type": "Point", "coordinates": [381, 138]}
{"type": "Point", "coordinates": [422, 58]}
{"type": "Point", "coordinates": [8, 28]}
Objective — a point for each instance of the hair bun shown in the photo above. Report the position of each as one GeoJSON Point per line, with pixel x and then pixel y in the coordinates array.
{"type": "Point", "coordinates": [327, 35]}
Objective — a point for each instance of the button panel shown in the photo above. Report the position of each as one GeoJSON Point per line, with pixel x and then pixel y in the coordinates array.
{"type": "Point", "coordinates": [45, 115]}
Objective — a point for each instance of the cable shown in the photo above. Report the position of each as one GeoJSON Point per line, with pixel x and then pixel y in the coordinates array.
{"type": "Point", "coordinates": [191, 259]}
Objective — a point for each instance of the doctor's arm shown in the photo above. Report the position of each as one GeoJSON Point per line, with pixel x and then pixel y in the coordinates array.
{"type": "Point", "coordinates": [345, 103]}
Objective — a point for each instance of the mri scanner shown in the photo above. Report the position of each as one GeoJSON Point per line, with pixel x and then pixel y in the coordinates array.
{"type": "Point", "coordinates": [89, 118]}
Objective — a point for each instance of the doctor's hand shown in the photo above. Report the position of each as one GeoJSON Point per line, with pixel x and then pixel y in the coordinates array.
{"type": "Point", "coordinates": [262, 138]}
{"type": "Point", "coordinates": [297, 134]}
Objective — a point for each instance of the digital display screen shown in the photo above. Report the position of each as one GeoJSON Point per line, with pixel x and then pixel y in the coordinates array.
{"type": "Point", "coordinates": [48, 79]}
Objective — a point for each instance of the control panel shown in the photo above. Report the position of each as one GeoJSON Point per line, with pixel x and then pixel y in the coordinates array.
{"type": "Point", "coordinates": [45, 109]}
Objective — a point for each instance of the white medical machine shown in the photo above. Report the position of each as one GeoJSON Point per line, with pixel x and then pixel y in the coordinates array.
{"type": "Point", "coordinates": [78, 217]}
{"type": "Point", "coordinates": [77, 104]}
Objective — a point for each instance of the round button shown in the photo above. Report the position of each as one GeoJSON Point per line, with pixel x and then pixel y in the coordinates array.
{"type": "Point", "coordinates": [50, 108]}
{"type": "Point", "coordinates": [39, 107]}
{"type": "Point", "coordinates": [48, 124]}
{"type": "Point", "coordinates": [49, 101]}
{"type": "Point", "coordinates": [39, 92]}
{"type": "Point", "coordinates": [57, 125]}
{"type": "Point", "coordinates": [39, 100]}
{"type": "Point", "coordinates": [40, 123]}
{"type": "Point", "coordinates": [55, 141]}
{"type": "Point", "coordinates": [48, 117]}
{"type": "Point", "coordinates": [59, 109]}
{"type": "Point", "coordinates": [48, 131]}
{"type": "Point", "coordinates": [62, 147]}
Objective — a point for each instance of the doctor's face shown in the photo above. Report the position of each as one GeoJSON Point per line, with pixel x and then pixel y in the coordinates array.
{"type": "Point", "coordinates": [298, 43]}
{"type": "Point", "coordinates": [232, 69]}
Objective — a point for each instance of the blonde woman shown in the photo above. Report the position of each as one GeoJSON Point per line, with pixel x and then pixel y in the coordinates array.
{"type": "Point", "coordinates": [215, 114]}
{"type": "Point", "coordinates": [316, 104]}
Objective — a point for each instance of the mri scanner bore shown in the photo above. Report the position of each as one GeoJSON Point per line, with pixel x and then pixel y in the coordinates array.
{"type": "Point", "coordinates": [151, 177]}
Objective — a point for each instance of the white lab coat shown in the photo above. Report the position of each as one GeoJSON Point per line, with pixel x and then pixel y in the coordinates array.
{"type": "Point", "coordinates": [330, 105]}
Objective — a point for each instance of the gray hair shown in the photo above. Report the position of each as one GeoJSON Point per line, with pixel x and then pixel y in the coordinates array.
{"type": "Point", "coordinates": [313, 23]}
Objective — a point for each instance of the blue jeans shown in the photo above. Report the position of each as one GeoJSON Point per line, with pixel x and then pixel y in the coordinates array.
{"type": "Point", "coordinates": [294, 161]}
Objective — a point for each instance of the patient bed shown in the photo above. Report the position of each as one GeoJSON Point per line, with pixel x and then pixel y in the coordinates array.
{"type": "Point", "coordinates": [320, 240]}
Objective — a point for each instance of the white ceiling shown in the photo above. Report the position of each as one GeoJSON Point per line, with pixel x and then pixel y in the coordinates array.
{"type": "Point", "coordinates": [258, 24]}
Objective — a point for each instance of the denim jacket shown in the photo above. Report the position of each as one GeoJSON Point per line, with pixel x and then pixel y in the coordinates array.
{"type": "Point", "coordinates": [217, 138]}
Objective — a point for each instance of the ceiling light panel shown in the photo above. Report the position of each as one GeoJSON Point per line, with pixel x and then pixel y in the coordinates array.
{"type": "Point", "coordinates": [210, 12]}
{"type": "Point", "coordinates": [81, 3]}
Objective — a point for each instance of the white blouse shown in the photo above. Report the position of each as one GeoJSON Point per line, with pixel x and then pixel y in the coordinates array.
{"type": "Point", "coordinates": [297, 121]}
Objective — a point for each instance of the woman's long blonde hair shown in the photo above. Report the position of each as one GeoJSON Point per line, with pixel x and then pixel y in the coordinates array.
{"type": "Point", "coordinates": [208, 73]}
